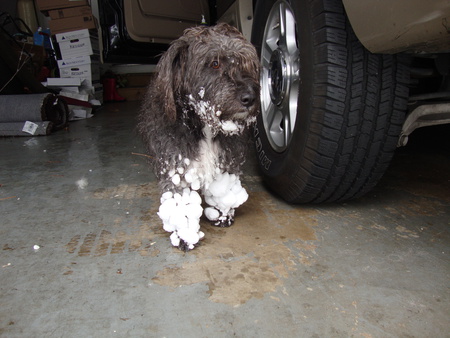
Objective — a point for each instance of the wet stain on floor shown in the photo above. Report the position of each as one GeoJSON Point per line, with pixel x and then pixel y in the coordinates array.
{"type": "Point", "coordinates": [248, 260]}
{"type": "Point", "coordinates": [251, 258]}
{"type": "Point", "coordinates": [105, 242]}
{"type": "Point", "coordinates": [418, 206]}
{"type": "Point", "coordinates": [131, 234]}
{"type": "Point", "coordinates": [127, 191]}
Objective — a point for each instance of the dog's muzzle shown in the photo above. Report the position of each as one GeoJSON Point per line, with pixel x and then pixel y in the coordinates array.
{"type": "Point", "coordinates": [241, 116]}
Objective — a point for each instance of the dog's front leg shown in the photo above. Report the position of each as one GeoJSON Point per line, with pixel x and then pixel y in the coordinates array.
{"type": "Point", "coordinates": [224, 194]}
{"type": "Point", "coordinates": [180, 213]}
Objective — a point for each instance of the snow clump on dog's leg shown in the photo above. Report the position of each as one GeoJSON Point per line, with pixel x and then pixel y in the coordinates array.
{"type": "Point", "coordinates": [224, 194]}
{"type": "Point", "coordinates": [181, 214]}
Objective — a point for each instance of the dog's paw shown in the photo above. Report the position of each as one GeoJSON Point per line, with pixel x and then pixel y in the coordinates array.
{"type": "Point", "coordinates": [218, 218]}
{"type": "Point", "coordinates": [183, 246]}
{"type": "Point", "coordinates": [223, 222]}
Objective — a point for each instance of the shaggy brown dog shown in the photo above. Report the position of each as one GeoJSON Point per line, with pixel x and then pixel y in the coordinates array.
{"type": "Point", "coordinates": [194, 122]}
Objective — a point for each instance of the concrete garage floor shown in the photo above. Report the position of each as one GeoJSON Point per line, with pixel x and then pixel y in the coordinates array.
{"type": "Point", "coordinates": [375, 267]}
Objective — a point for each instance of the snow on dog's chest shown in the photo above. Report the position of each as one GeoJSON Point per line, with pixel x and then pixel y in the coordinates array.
{"type": "Point", "coordinates": [204, 167]}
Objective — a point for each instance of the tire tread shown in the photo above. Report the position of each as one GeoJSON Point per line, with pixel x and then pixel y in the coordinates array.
{"type": "Point", "coordinates": [351, 147]}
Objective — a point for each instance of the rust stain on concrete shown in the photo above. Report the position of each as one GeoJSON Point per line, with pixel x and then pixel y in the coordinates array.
{"type": "Point", "coordinates": [126, 234]}
{"type": "Point", "coordinates": [104, 242]}
{"type": "Point", "coordinates": [127, 191]}
{"type": "Point", "coordinates": [418, 206]}
{"type": "Point", "coordinates": [248, 260]}
{"type": "Point", "coordinates": [251, 258]}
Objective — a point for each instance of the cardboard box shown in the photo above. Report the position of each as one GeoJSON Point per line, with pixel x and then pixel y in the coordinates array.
{"type": "Point", "coordinates": [70, 89]}
{"type": "Point", "coordinates": [77, 43]}
{"type": "Point", "coordinates": [77, 96]}
{"type": "Point", "coordinates": [45, 5]}
{"type": "Point", "coordinates": [72, 24]}
{"type": "Point", "coordinates": [78, 61]}
{"type": "Point", "coordinates": [79, 113]}
{"type": "Point", "coordinates": [132, 93]}
{"type": "Point", "coordinates": [79, 47]}
{"type": "Point", "coordinates": [61, 82]}
{"type": "Point", "coordinates": [64, 13]}
{"type": "Point", "coordinates": [76, 34]}
{"type": "Point", "coordinates": [84, 67]}
{"type": "Point", "coordinates": [90, 72]}
{"type": "Point", "coordinates": [93, 89]}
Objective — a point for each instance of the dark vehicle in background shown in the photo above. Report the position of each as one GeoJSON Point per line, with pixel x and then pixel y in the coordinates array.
{"type": "Point", "coordinates": [343, 82]}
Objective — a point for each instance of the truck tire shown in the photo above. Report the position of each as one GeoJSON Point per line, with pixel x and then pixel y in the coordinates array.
{"type": "Point", "coordinates": [331, 111]}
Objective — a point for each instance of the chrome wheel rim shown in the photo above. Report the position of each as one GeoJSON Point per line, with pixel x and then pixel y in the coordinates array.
{"type": "Point", "coordinates": [279, 76]}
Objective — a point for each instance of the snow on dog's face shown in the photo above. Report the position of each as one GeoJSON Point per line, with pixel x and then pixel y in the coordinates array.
{"type": "Point", "coordinates": [210, 76]}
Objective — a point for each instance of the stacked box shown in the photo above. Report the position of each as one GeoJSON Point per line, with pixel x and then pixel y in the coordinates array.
{"type": "Point", "coordinates": [77, 43]}
{"type": "Point", "coordinates": [74, 41]}
{"type": "Point", "coordinates": [80, 56]}
{"type": "Point", "coordinates": [46, 5]}
{"type": "Point", "coordinates": [74, 29]}
{"type": "Point", "coordinates": [67, 15]}
{"type": "Point", "coordinates": [85, 67]}
{"type": "Point", "coordinates": [80, 59]}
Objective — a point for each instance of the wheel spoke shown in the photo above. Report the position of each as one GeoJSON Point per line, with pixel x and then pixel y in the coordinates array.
{"type": "Point", "coordinates": [274, 119]}
{"type": "Point", "coordinates": [272, 37]}
{"type": "Point", "coordinates": [266, 52]}
{"type": "Point", "coordinates": [282, 23]}
{"type": "Point", "coordinates": [293, 102]}
{"type": "Point", "coordinates": [270, 115]}
{"type": "Point", "coordinates": [290, 34]}
{"type": "Point", "coordinates": [287, 36]}
{"type": "Point", "coordinates": [287, 129]}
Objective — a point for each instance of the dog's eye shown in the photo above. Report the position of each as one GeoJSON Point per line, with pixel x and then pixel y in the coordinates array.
{"type": "Point", "coordinates": [215, 64]}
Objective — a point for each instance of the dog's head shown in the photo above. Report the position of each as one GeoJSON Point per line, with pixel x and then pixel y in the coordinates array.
{"type": "Point", "coordinates": [212, 72]}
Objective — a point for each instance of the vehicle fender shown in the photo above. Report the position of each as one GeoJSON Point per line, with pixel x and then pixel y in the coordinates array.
{"type": "Point", "coordinates": [389, 27]}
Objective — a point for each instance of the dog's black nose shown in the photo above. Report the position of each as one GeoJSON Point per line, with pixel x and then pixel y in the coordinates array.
{"type": "Point", "coordinates": [247, 98]}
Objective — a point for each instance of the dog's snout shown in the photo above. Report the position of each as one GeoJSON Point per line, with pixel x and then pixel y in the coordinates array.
{"type": "Point", "coordinates": [247, 98]}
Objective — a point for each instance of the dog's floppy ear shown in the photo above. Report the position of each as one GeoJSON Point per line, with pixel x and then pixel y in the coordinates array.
{"type": "Point", "coordinates": [171, 70]}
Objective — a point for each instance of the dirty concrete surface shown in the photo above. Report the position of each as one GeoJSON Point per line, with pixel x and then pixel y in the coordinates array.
{"type": "Point", "coordinates": [83, 252]}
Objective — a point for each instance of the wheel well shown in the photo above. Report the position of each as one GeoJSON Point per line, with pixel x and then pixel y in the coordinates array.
{"type": "Point", "coordinates": [429, 99]}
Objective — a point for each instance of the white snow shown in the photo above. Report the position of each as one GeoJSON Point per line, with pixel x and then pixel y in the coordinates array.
{"type": "Point", "coordinates": [229, 126]}
{"type": "Point", "coordinates": [195, 185]}
{"type": "Point", "coordinates": [212, 214]}
{"type": "Point", "coordinates": [210, 114]}
{"type": "Point", "coordinates": [166, 196]}
{"type": "Point", "coordinates": [189, 176]}
{"type": "Point", "coordinates": [201, 93]}
{"type": "Point", "coordinates": [225, 194]}
{"type": "Point", "coordinates": [82, 183]}
{"type": "Point", "coordinates": [176, 179]}
{"type": "Point", "coordinates": [174, 239]}
{"type": "Point", "coordinates": [181, 214]}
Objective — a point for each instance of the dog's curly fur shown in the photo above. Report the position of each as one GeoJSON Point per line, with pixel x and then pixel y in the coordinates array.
{"type": "Point", "coordinates": [198, 109]}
